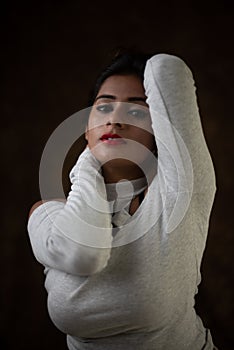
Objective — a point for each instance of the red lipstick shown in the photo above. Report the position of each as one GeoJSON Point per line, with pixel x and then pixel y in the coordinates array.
{"type": "Point", "coordinates": [112, 139]}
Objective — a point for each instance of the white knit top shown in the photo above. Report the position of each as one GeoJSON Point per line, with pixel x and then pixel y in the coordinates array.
{"type": "Point", "coordinates": [137, 291]}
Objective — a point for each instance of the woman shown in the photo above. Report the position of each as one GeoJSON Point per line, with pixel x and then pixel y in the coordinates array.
{"type": "Point", "coordinates": [122, 256]}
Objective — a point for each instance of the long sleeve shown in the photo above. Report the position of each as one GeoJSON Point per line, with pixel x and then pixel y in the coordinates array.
{"type": "Point", "coordinates": [184, 163]}
{"type": "Point", "coordinates": [75, 237]}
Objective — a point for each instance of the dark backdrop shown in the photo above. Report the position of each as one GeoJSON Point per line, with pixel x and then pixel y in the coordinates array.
{"type": "Point", "coordinates": [51, 53]}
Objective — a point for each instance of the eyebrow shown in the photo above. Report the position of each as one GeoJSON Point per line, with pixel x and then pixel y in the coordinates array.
{"type": "Point", "coordinates": [131, 99]}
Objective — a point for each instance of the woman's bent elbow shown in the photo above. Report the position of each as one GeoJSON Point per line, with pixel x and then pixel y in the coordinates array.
{"type": "Point", "coordinates": [35, 206]}
{"type": "Point", "coordinates": [90, 264]}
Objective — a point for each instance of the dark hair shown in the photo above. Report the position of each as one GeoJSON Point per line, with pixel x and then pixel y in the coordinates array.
{"type": "Point", "coordinates": [124, 62]}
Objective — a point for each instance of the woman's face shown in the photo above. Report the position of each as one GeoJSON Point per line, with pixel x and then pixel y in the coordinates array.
{"type": "Point", "coordinates": [119, 122]}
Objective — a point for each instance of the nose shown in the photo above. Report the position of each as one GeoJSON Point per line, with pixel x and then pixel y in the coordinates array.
{"type": "Point", "coordinates": [116, 124]}
{"type": "Point", "coordinates": [116, 117]}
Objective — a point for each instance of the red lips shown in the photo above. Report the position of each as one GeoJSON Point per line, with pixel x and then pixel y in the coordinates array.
{"type": "Point", "coordinates": [112, 139]}
{"type": "Point", "coordinates": [110, 136]}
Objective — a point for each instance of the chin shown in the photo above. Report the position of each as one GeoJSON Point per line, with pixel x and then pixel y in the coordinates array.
{"type": "Point", "coordinates": [120, 159]}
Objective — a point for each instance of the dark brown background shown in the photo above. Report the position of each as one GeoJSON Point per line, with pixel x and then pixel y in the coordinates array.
{"type": "Point", "coordinates": [50, 55]}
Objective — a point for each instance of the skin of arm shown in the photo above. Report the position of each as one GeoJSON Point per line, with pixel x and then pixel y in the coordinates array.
{"type": "Point", "coordinates": [38, 203]}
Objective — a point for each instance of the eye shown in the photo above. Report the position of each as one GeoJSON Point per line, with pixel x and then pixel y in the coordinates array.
{"type": "Point", "coordinates": [104, 108]}
{"type": "Point", "coordinates": [138, 113]}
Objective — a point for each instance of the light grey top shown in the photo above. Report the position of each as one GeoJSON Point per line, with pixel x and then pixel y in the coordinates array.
{"type": "Point", "coordinates": [138, 292]}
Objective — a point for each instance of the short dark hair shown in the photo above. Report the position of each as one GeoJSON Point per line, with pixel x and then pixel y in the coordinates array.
{"type": "Point", "coordinates": [124, 62]}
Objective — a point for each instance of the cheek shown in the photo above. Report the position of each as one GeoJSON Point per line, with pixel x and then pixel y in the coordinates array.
{"type": "Point", "coordinates": [95, 120]}
{"type": "Point", "coordinates": [150, 141]}
{"type": "Point", "coordinates": [145, 137]}
{"type": "Point", "coordinates": [91, 129]}
{"type": "Point", "coordinates": [90, 137]}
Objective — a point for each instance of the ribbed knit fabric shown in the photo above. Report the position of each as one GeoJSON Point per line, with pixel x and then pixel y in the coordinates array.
{"type": "Point", "coordinates": [139, 294]}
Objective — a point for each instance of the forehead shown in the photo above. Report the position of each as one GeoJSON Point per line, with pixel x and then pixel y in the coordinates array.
{"type": "Point", "coordinates": [122, 86]}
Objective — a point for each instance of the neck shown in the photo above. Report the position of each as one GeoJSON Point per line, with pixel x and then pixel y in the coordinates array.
{"type": "Point", "coordinates": [119, 169]}
{"type": "Point", "coordinates": [113, 173]}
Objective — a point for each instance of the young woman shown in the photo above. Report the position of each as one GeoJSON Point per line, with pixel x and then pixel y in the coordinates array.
{"type": "Point", "coordinates": [122, 256]}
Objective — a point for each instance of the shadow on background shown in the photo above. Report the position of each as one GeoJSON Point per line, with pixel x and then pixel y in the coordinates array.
{"type": "Point", "coordinates": [50, 56]}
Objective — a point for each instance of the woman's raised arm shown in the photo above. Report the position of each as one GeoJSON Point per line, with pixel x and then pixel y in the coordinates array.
{"type": "Point", "coordinates": [184, 163]}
